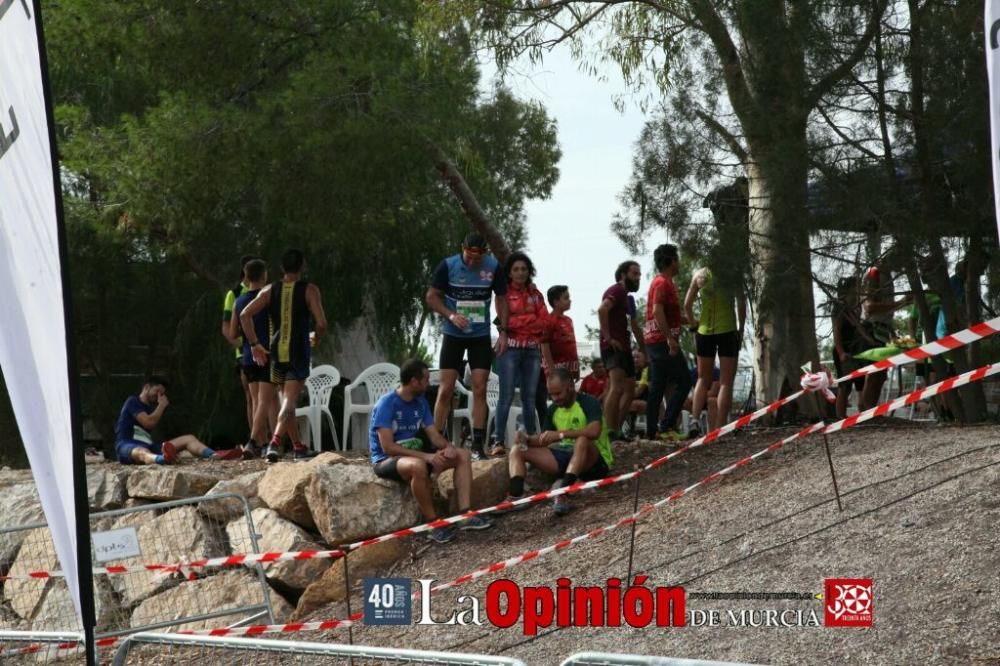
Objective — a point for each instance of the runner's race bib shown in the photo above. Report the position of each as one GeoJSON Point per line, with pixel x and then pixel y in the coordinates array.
{"type": "Point", "coordinates": [474, 311]}
{"type": "Point", "coordinates": [140, 435]}
{"type": "Point", "coordinates": [413, 443]}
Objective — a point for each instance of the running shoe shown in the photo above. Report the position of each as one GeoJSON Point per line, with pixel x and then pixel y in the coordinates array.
{"type": "Point", "coordinates": [477, 454]}
{"type": "Point", "coordinates": [272, 454]}
{"type": "Point", "coordinates": [694, 432]}
{"type": "Point", "coordinates": [300, 452]}
{"type": "Point", "coordinates": [498, 450]}
{"type": "Point", "coordinates": [169, 453]}
{"type": "Point", "coordinates": [476, 523]}
{"type": "Point", "coordinates": [441, 534]}
{"type": "Point", "coordinates": [561, 505]}
{"type": "Point", "coordinates": [228, 454]}
{"type": "Point", "coordinates": [512, 509]}
{"type": "Point", "coordinates": [251, 451]}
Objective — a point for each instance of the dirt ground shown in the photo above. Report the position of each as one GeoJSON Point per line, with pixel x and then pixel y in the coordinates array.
{"type": "Point", "coordinates": [920, 510]}
{"type": "Point", "coordinates": [921, 505]}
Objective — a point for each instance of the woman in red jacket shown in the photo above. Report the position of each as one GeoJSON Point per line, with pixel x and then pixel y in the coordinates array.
{"type": "Point", "coordinates": [520, 364]}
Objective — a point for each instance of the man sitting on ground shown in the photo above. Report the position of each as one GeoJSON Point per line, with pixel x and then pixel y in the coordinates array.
{"type": "Point", "coordinates": [405, 446]}
{"type": "Point", "coordinates": [572, 445]}
{"type": "Point", "coordinates": [133, 442]}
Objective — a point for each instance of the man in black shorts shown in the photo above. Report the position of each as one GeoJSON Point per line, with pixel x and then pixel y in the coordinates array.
{"type": "Point", "coordinates": [405, 446]}
{"type": "Point", "coordinates": [573, 444]}
{"type": "Point", "coordinates": [265, 406]}
{"type": "Point", "coordinates": [461, 291]}
{"type": "Point", "coordinates": [290, 303]}
{"type": "Point", "coordinates": [616, 345]}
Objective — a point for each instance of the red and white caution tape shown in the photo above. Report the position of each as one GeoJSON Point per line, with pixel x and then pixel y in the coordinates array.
{"type": "Point", "coordinates": [534, 554]}
{"type": "Point", "coordinates": [35, 648]}
{"type": "Point", "coordinates": [810, 382]}
{"type": "Point", "coordinates": [939, 346]}
{"type": "Point", "coordinates": [187, 567]}
{"type": "Point", "coordinates": [843, 424]}
{"type": "Point", "coordinates": [916, 396]}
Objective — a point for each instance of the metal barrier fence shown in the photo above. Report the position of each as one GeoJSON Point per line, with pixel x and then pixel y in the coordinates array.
{"type": "Point", "coordinates": [173, 649]}
{"type": "Point", "coordinates": [42, 646]}
{"type": "Point", "coordinates": [163, 533]}
{"type": "Point", "coordinates": [609, 659]}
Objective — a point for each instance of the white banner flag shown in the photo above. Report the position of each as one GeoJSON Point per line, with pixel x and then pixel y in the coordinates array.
{"type": "Point", "coordinates": [32, 330]}
{"type": "Point", "coordinates": [993, 70]}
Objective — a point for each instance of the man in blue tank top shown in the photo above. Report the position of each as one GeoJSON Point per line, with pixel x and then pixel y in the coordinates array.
{"type": "Point", "coordinates": [461, 290]}
{"type": "Point", "coordinates": [265, 413]}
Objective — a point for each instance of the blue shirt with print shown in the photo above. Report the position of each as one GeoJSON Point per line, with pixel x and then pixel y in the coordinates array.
{"type": "Point", "coordinates": [469, 291]}
{"type": "Point", "coordinates": [405, 418]}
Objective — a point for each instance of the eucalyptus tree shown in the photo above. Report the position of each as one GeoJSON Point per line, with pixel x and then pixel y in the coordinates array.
{"type": "Point", "coordinates": [767, 63]}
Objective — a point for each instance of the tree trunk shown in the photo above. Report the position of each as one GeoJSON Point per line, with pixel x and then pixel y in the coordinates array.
{"type": "Point", "coordinates": [467, 199]}
{"type": "Point", "coordinates": [785, 326]}
{"type": "Point", "coordinates": [973, 398]}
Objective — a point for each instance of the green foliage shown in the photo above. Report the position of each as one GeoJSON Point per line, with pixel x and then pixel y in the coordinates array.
{"type": "Point", "coordinates": [193, 133]}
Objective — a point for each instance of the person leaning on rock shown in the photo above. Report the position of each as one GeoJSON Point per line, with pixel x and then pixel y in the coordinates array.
{"type": "Point", "coordinates": [405, 446]}
{"type": "Point", "coordinates": [133, 442]}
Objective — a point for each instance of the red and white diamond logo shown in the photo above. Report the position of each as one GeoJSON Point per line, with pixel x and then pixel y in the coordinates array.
{"type": "Point", "coordinates": [848, 602]}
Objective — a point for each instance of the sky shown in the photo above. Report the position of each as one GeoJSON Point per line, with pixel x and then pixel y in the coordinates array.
{"type": "Point", "coordinates": [569, 234]}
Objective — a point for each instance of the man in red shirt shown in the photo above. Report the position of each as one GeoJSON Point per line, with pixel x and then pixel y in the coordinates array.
{"type": "Point", "coordinates": [667, 364]}
{"type": "Point", "coordinates": [596, 383]}
{"type": "Point", "coordinates": [558, 345]}
{"type": "Point", "coordinates": [616, 347]}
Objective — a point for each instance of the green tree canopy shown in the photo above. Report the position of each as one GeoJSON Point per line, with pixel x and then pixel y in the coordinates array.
{"type": "Point", "coordinates": [193, 133]}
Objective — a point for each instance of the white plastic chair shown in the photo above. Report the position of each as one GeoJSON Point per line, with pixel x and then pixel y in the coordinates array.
{"type": "Point", "coordinates": [320, 384]}
{"type": "Point", "coordinates": [377, 381]}
{"type": "Point", "coordinates": [492, 398]}
{"type": "Point", "coordinates": [461, 413]}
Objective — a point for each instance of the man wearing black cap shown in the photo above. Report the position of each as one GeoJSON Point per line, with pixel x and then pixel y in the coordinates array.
{"type": "Point", "coordinates": [461, 290]}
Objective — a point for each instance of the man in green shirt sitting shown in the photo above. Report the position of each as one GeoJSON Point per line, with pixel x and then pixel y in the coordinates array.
{"type": "Point", "coordinates": [572, 446]}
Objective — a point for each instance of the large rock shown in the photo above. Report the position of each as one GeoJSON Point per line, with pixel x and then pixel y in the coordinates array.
{"type": "Point", "coordinates": [490, 482]}
{"type": "Point", "coordinates": [228, 508]}
{"type": "Point", "coordinates": [20, 507]}
{"type": "Point", "coordinates": [348, 503]}
{"type": "Point", "coordinates": [179, 535]}
{"type": "Point", "coordinates": [160, 482]}
{"type": "Point", "coordinates": [56, 612]}
{"type": "Point", "coordinates": [105, 488]}
{"type": "Point", "coordinates": [230, 589]}
{"type": "Point", "coordinates": [371, 560]}
{"type": "Point", "coordinates": [280, 535]}
{"type": "Point", "coordinates": [283, 487]}
{"type": "Point", "coordinates": [37, 553]}
{"type": "Point", "coordinates": [45, 603]}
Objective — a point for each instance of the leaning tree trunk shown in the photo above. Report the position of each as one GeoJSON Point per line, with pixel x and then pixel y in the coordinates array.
{"type": "Point", "coordinates": [784, 330]}
{"type": "Point", "coordinates": [470, 204]}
